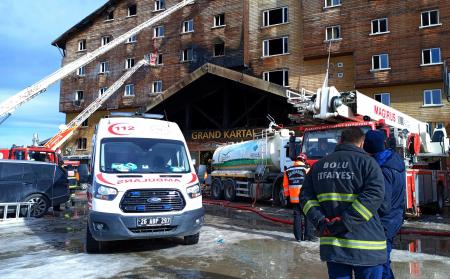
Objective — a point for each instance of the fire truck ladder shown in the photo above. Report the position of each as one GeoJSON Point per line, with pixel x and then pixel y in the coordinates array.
{"type": "Point", "coordinates": [7, 107]}
{"type": "Point", "coordinates": [63, 135]}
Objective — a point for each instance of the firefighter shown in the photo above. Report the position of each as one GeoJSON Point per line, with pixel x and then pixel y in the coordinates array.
{"type": "Point", "coordinates": [292, 184]}
{"type": "Point", "coordinates": [341, 196]}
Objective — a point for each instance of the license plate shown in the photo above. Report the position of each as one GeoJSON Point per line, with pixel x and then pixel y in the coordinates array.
{"type": "Point", "coordinates": [153, 221]}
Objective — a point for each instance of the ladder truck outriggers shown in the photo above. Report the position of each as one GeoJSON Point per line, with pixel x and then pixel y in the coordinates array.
{"type": "Point", "coordinates": [325, 113]}
{"type": "Point", "coordinates": [48, 151]}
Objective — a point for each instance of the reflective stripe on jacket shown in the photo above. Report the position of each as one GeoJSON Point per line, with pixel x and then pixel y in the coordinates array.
{"type": "Point", "coordinates": [348, 183]}
{"type": "Point", "coordinates": [295, 177]}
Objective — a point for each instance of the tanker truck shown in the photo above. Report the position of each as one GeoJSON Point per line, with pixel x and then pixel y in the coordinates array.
{"type": "Point", "coordinates": [254, 169]}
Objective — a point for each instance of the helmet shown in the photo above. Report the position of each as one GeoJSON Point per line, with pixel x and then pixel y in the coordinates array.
{"type": "Point", "coordinates": [302, 157]}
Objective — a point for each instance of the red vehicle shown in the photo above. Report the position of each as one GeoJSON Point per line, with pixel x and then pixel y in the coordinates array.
{"type": "Point", "coordinates": [325, 114]}
{"type": "Point", "coordinates": [32, 153]}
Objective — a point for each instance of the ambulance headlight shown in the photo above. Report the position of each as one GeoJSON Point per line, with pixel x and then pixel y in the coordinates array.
{"type": "Point", "coordinates": [103, 192]}
{"type": "Point", "coordinates": [194, 191]}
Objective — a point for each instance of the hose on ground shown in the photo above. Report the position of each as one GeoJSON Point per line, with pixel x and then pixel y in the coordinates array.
{"type": "Point", "coordinates": [289, 222]}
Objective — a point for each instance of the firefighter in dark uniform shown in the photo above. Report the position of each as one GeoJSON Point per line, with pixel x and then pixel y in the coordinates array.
{"type": "Point", "coordinates": [341, 196]}
{"type": "Point", "coordinates": [292, 184]}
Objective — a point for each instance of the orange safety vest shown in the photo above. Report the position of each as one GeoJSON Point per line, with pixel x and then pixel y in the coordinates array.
{"type": "Point", "coordinates": [292, 187]}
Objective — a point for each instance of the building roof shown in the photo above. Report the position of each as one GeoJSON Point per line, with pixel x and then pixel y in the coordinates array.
{"type": "Point", "coordinates": [60, 42]}
{"type": "Point", "coordinates": [216, 70]}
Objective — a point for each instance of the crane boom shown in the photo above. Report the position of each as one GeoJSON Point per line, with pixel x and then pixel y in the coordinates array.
{"type": "Point", "coordinates": [8, 106]}
{"type": "Point", "coordinates": [63, 135]}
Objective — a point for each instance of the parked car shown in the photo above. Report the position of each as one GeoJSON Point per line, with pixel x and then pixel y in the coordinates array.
{"type": "Point", "coordinates": [44, 184]}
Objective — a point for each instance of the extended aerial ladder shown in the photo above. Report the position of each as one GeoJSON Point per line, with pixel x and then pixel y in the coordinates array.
{"type": "Point", "coordinates": [67, 132]}
{"type": "Point", "coordinates": [7, 107]}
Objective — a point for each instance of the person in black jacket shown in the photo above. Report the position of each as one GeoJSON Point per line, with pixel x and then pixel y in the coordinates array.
{"type": "Point", "coordinates": [341, 196]}
{"type": "Point", "coordinates": [392, 210]}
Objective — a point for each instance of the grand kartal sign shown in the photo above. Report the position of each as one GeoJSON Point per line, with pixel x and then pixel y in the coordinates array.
{"type": "Point", "coordinates": [223, 135]}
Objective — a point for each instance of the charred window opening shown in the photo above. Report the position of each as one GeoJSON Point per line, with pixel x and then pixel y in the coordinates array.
{"type": "Point", "coordinates": [158, 32]}
{"type": "Point", "coordinates": [157, 86]}
{"type": "Point", "coordinates": [79, 96]}
{"type": "Point", "coordinates": [280, 77]}
{"type": "Point", "coordinates": [275, 16]}
{"type": "Point", "coordinates": [188, 26]}
{"type": "Point", "coordinates": [81, 71]}
{"type": "Point", "coordinates": [81, 45]}
{"type": "Point", "coordinates": [275, 46]}
{"type": "Point", "coordinates": [219, 49]}
{"type": "Point", "coordinates": [219, 20]}
{"type": "Point", "coordinates": [81, 143]}
{"type": "Point", "coordinates": [85, 123]}
{"type": "Point", "coordinates": [102, 91]}
{"type": "Point", "coordinates": [132, 10]}
{"type": "Point", "coordinates": [129, 63]}
{"type": "Point", "coordinates": [187, 54]}
{"type": "Point", "coordinates": [106, 40]}
{"type": "Point", "coordinates": [109, 15]}
{"type": "Point", "coordinates": [159, 59]}
{"type": "Point", "coordinates": [104, 67]}
{"type": "Point", "coordinates": [160, 5]}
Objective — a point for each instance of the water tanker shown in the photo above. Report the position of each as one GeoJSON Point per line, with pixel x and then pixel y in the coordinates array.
{"type": "Point", "coordinates": [254, 168]}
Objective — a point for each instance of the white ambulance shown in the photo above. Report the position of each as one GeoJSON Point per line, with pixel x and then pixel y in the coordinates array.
{"type": "Point", "coordinates": [144, 183]}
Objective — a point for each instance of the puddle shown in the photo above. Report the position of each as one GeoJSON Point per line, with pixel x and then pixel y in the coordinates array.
{"type": "Point", "coordinates": [423, 244]}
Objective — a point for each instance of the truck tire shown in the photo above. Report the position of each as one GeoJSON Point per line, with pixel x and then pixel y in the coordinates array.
{"type": "Point", "coordinates": [40, 206]}
{"type": "Point", "coordinates": [216, 189]}
{"type": "Point", "coordinates": [298, 227]}
{"type": "Point", "coordinates": [440, 198]}
{"type": "Point", "coordinates": [92, 246]}
{"type": "Point", "coordinates": [229, 189]}
{"type": "Point", "coordinates": [191, 239]}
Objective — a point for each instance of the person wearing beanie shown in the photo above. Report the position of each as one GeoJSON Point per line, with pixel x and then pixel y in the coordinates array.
{"type": "Point", "coordinates": [391, 211]}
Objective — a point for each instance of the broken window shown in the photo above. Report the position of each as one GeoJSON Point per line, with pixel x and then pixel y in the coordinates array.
{"type": "Point", "coordinates": [159, 59]}
{"type": "Point", "coordinates": [81, 45]}
{"type": "Point", "coordinates": [219, 49]}
{"type": "Point", "coordinates": [109, 15]}
{"type": "Point", "coordinates": [106, 40]}
{"type": "Point", "coordinates": [384, 98]}
{"type": "Point", "coordinates": [332, 3]}
{"type": "Point", "coordinates": [280, 77]}
{"type": "Point", "coordinates": [129, 63]}
{"type": "Point", "coordinates": [219, 20]}
{"type": "Point", "coordinates": [188, 26]}
{"type": "Point", "coordinates": [431, 56]}
{"type": "Point", "coordinates": [158, 32]}
{"type": "Point", "coordinates": [275, 46]}
{"type": "Point", "coordinates": [132, 10]}
{"type": "Point", "coordinates": [380, 62]}
{"type": "Point", "coordinates": [430, 18]}
{"type": "Point", "coordinates": [102, 91]}
{"type": "Point", "coordinates": [380, 26]}
{"type": "Point", "coordinates": [187, 54]}
{"type": "Point", "coordinates": [104, 67]}
{"type": "Point", "coordinates": [275, 16]}
{"type": "Point", "coordinates": [160, 5]}
{"type": "Point", "coordinates": [132, 39]}
{"type": "Point", "coordinates": [129, 90]}
{"type": "Point", "coordinates": [81, 71]}
{"type": "Point", "coordinates": [79, 95]}
{"type": "Point", "coordinates": [81, 143]}
{"type": "Point", "coordinates": [157, 86]}
{"type": "Point", "coordinates": [333, 33]}
{"type": "Point", "coordinates": [85, 123]}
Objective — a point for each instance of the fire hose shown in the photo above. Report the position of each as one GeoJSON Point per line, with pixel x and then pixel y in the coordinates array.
{"type": "Point", "coordinates": [289, 222]}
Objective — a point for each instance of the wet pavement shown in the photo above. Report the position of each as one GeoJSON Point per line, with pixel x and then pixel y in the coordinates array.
{"type": "Point", "coordinates": [233, 244]}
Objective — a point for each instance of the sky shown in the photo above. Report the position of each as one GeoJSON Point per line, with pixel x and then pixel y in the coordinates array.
{"type": "Point", "coordinates": [27, 27]}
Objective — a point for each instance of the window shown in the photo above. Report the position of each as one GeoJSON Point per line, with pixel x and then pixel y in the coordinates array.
{"type": "Point", "coordinates": [380, 26]}
{"type": "Point", "coordinates": [109, 16]}
{"type": "Point", "coordinates": [159, 59]}
{"type": "Point", "coordinates": [280, 77]}
{"type": "Point", "coordinates": [160, 5]}
{"type": "Point", "coordinates": [129, 90]}
{"type": "Point", "coordinates": [439, 125]}
{"type": "Point", "coordinates": [79, 95]}
{"type": "Point", "coordinates": [158, 32]}
{"type": "Point", "coordinates": [132, 39]}
{"type": "Point", "coordinates": [188, 26]}
{"type": "Point", "coordinates": [106, 40]}
{"type": "Point", "coordinates": [332, 3]}
{"type": "Point", "coordinates": [432, 97]}
{"type": "Point", "coordinates": [275, 46]}
{"type": "Point", "coordinates": [132, 10]}
{"type": "Point", "coordinates": [82, 45]}
{"type": "Point", "coordinates": [333, 33]}
{"type": "Point", "coordinates": [85, 123]}
{"type": "Point", "coordinates": [104, 67]}
{"type": "Point", "coordinates": [219, 50]}
{"type": "Point", "coordinates": [275, 16]}
{"type": "Point", "coordinates": [430, 18]}
{"type": "Point", "coordinates": [431, 56]}
{"type": "Point", "coordinates": [81, 72]}
{"type": "Point", "coordinates": [219, 20]}
{"type": "Point", "coordinates": [384, 98]}
{"type": "Point", "coordinates": [157, 86]}
{"type": "Point", "coordinates": [102, 91]}
{"type": "Point", "coordinates": [129, 63]}
{"type": "Point", "coordinates": [187, 54]}
{"type": "Point", "coordinates": [380, 62]}
{"type": "Point", "coordinates": [81, 143]}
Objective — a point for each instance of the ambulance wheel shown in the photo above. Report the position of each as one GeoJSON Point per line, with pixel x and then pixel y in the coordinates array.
{"type": "Point", "coordinates": [229, 189]}
{"type": "Point", "coordinates": [93, 246]}
{"type": "Point", "coordinates": [216, 189]}
{"type": "Point", "coordinates": [440, 199]}
{"type": "Point", "coordinates": [191, 239]}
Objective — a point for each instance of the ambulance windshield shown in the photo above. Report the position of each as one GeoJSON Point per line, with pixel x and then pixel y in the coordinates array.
{"type": "Point", "coordinates": [318, 144]}
{"type": "Point", "coordinates": [141, 155]}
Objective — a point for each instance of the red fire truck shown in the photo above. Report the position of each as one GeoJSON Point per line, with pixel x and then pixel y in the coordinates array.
{"type": "Point", "coordinates": [325, 113]}
{"type": "Point", "coordinates": [34, 153]}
